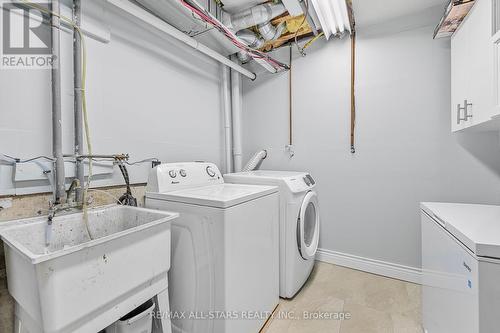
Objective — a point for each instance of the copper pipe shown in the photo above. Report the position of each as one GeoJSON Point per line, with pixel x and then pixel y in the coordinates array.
{"type": "Point", "coordinates": [290, 101]}
{"type": "Point", "coordinates": [353, 96]}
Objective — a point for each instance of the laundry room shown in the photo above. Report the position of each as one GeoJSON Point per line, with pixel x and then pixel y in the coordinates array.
{"type": "Point", "coordinates": [245, 166]}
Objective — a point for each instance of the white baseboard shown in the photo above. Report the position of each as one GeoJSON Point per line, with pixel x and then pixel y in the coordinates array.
{"type": "Point", "coordinates": [396, 271]}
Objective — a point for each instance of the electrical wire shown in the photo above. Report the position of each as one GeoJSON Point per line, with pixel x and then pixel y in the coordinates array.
{"type": "Point", "coordinates": [18, 160]}
{"type": "Point", "coordinates": [154, 159]}
{"type": "Point", "coordinates": [255, 54]}
{"type": "Point", "coordinates": [310, 42]}
{"type": "Point", "coordinates": [301, 50]}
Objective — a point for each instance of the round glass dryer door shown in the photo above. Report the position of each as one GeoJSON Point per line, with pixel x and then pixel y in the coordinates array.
{"type": "Point", "coordinates": [308, 226]}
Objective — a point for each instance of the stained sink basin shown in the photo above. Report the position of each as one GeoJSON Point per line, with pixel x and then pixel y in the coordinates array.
{"type": "Point", "coordinates": [90, 274]}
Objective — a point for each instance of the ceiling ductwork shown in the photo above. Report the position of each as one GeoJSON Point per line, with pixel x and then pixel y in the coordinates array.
{"type": "Point", "coordinates": [250, 38]}
{"type": "Point", "coordinates": [255, 16]}
{"type": "Point", "coordinates": [259, 16]}
{"type": "Point", "coordinates": [270, 32]}
{"type": "Point", "coordinates": [229, 28]}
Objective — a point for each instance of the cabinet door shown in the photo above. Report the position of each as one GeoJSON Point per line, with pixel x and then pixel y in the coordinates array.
{"type": "Point", "coordinates": [449, 282]}
{"type": "Point", "coordinates": [480, 63]}
{"type": "Point", "coordinates": [496, 45]}
{"type": "Point", "coordinates": [459, 74]}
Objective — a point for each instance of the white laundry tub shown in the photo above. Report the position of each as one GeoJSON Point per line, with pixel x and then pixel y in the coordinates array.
{"type": "Point", "coordinates": [79, 284]}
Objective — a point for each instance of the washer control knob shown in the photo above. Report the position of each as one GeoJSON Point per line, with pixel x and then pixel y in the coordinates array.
{"type": "Point", "coordinates": [182, 172]}
{"type": "Point", "coordinates": [210, 171]}
{"type": "Point", "coordinates": [172, 173]}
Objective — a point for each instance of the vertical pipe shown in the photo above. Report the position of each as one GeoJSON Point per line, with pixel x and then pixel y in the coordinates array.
{"type": "Point", "coordinates": [236, 103]}
{"type": "Point", "coordinates": [77, 77]}
{"type": "Point", "coordinates": [353, 92]}
{"type": "Point", "coordinates": [290, 102]}
{"type": "Point", "coordinates": [226, 93]}
{"type": "Point", "coordinates": [59, 177]}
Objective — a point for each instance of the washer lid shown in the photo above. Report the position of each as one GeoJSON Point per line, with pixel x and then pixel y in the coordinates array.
{"type": "Point", "coordinates": [219, 196]}
{"type": "Point", "coordinates": [281, 175]}
{"type": "Point", "coordinates": [296, 182]}
{"type": "Point", "coordinates": [476, 226]}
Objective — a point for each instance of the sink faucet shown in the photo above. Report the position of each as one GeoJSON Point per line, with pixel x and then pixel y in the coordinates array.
{"type": "Point", "coordinates": [56, 207]}
{"type": "Point", "coordinates": [75, 184]}
{"type": "Point", "coordinates": [70, 203]}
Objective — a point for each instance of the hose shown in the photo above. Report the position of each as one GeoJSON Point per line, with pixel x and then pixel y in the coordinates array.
{"type": "Point", "coordinates": [255, 161]}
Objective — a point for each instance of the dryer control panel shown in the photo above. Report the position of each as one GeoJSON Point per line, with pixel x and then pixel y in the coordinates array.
{"type": "Point", "coordinates": [170, 177]}
{"type": "Point", "coordinates": [302, 183]}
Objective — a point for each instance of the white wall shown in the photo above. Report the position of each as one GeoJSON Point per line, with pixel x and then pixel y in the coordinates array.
{"type": "Point", "coordinates": [148, 96]}
{"type": "Point", "coordinates": [405, 150]}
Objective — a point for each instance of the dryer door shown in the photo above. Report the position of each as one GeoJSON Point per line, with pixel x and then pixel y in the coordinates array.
{"type": "Point", "coordinates": [308, 226]}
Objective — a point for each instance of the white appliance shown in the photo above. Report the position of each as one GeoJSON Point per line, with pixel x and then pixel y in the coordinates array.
{"type": "Point", "coordinates": [299, 223]}
{"type": "Point", "coordinates": [461, 268]}
{"type": "Point", "coordinates": [224, 269]}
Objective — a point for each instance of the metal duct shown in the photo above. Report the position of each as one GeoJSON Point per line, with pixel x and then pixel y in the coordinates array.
{"type": "Point", "coordinates": [254, 16]}
{"type": "Point", "coordinates": [270, 32]}
{"type": "Point", "coordinates": [243, 57]}
{"type": "Point", "coordinates": [250, 38]}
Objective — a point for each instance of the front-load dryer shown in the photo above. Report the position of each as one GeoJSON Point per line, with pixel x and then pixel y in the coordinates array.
{"type": "Point", "coordinates": [299, 223]}
{"type": "Point", "coordinates": [224, 275]}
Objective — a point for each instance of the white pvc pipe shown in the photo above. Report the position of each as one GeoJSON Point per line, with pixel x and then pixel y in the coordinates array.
{"type": "Point", "coordinates": [226, 94]}
{"type": "Point", "coordinates": [163, 26]}
{"type": "Point", "coordinates": [57, 144]}
{"type": "Point", "coordinates": [236, 103]}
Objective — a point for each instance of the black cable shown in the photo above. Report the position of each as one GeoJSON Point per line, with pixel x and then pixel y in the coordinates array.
{"type": "Point", "coordinates": [127, 199]}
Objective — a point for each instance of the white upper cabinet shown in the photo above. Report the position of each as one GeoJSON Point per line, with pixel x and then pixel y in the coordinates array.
{"type": "Point", "coordinates": [473, 69]}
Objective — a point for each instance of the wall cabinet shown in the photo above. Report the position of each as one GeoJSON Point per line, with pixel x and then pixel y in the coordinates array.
{"type": "Point", "coordinates": [474, 68]}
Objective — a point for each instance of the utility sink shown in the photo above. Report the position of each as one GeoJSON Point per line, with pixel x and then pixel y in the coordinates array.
{"type": "Point", "coordinates": [83, 282]}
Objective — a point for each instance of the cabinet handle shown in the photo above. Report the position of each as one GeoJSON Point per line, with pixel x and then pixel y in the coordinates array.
{"type": "Point", "coordinates": [466, 110]}
{"type": "Point", "coordinates": [459, 116]}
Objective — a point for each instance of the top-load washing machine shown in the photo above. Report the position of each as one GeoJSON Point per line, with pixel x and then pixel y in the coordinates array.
{"type": "Point", "coordinates": [299, 223]}
{"type": "Point", "coordinates": [224, 266]}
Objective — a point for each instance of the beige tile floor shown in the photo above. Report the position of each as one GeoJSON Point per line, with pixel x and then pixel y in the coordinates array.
{"type": "Point", "coordinates": [374, 303]}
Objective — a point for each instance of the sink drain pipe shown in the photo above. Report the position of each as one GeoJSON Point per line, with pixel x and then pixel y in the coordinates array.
{"type": "Point", "coordinates": [77, 81]}
{"type": "Point", "coordinates": [57, 150]}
